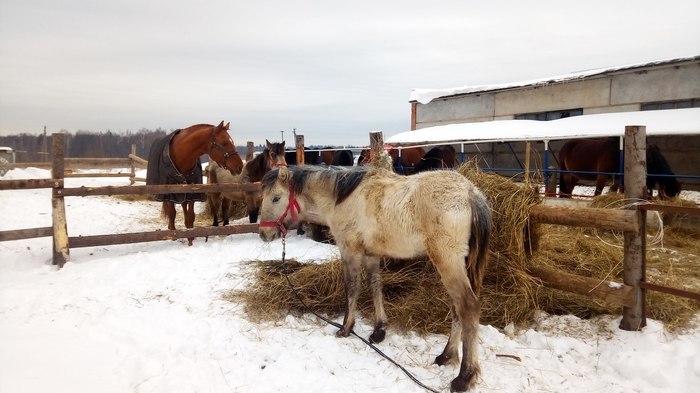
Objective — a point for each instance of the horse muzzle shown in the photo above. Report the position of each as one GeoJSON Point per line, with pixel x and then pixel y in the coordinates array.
{"type": "Point", "coordinates": [271, 230]}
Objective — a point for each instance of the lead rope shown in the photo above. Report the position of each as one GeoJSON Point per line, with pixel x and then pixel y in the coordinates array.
{"type": "Point", "coordinates": [339, 326]}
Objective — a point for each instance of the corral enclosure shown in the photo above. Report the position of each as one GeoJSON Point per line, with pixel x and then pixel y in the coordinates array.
{"type": "Point", "coordinates": [209, 266]}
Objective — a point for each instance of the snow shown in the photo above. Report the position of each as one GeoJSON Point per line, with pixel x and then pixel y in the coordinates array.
{"type": "Point", "coordinates": [150, 317]}
{"type": "Point", "coordinates": [425, 96]}
{"type": "Point", "coordinates": [663, 122]}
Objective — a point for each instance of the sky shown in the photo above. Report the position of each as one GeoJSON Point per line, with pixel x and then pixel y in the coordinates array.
{"type": "Point", "coordinates": [334, 71]}
{"type": "Point", "coordinates": [151, 318]}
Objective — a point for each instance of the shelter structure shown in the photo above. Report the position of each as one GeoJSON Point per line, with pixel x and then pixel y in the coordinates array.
{"type": "Point", "coordinates": [584, 104]}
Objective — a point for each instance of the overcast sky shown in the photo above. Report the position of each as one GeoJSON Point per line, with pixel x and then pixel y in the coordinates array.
{"type": "Point", "coordinates": [334, 70]}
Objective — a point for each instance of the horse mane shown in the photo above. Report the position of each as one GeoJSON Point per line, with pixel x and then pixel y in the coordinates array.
{"type": "Point", "coordinates": [344, 180]}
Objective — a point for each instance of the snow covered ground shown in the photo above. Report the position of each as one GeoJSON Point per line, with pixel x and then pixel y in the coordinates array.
{"type": "Point", "coordinates": [150, 318]}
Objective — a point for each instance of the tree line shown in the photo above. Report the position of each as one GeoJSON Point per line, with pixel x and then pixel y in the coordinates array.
{"type": "Point", "coordinates": [88, 144]}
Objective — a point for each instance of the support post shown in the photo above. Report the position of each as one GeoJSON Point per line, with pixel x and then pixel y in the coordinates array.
{"type": "Point", "coordinates": [634, 318]}
{"type": "Point", "coordinates": [299, 144]}
{"type": "Point", "coordinates": [527, 162]}
{"type": "Point", "coordinates": [61, 253]}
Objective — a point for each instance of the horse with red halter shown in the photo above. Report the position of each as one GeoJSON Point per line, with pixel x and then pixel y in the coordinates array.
{"type": "Point", "coordinates": [375, 213]}
{"type": "Point", "coordinates": [253, 171]}
{"type": "Point", "coordinates": [175, 159]}
{"type": "Point", "coordinates": [599, 159]}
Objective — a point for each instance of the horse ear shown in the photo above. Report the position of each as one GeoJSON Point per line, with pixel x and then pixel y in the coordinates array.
{"type": "Point", "coordinates": [221, 124]}
{"type": "Point", "coordinates": [283, 174]}
{"type": "Point", "coordinates": [227, 125]}
{"type": "Point", "coordinates": [268, 144]}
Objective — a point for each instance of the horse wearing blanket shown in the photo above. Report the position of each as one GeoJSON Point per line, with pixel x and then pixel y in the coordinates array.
{"type": "Point", "coordinates": [375, 213]}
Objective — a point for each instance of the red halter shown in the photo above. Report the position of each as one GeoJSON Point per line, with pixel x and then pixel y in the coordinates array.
{"type": "Point", "coordinates": [292, 209]}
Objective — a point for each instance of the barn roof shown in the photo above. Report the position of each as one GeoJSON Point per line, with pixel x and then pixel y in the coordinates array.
{"type": "Point", "coordinates": [660, 122]}
{"type": "Point", "coordinates": [424, 96]}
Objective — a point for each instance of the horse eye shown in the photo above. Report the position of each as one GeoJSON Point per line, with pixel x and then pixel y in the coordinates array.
{"type": "Point", "coordinates": [275, 199]}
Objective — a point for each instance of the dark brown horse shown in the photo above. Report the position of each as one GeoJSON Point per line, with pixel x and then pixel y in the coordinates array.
{"type": "Point", "coordinates": [175, 159]}
{"type": "Point", "coordinates": [599, 159]}
{"type": "Point", "coordinates": [342, 157]}
{"type": "Point", "coordinates": [439, 157]}
{"type": "Point", "coordinates": [365, 157]}
{"type": "Point", "coordinates": [310, 157]}
{"type": "Point", "coordinates": [253, 171]}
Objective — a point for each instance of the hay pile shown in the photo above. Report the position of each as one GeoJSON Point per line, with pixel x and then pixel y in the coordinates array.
{"type": "Point", "coordinates": [415, 299]}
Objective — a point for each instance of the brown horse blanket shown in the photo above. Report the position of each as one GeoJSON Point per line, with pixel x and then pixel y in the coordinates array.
{"type": "Point", "coordinates": [161, 170]}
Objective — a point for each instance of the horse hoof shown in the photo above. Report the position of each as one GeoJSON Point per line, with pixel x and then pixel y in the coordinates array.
{"type": "Point", "coordinates": [378, 335]}
{"type": "Point", "coordinates": [463, 382]}
{"type": "Point", "coordinates": [342, 333]}
{"type": "Point", "coordinates": [443, 359]}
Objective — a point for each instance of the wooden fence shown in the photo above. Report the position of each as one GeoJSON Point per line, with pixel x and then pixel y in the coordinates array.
{"type": "Point", "coordinates": [630, 294]}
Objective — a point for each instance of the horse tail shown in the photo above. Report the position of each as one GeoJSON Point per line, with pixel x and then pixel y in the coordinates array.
{"type": "Point", "coordinates": [163, 210]}
{"type": "Point", "coordinates": [479, 242]}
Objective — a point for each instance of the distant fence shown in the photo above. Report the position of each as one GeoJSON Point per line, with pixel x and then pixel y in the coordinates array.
{"type": "Point", "coordinates": [630, 295]}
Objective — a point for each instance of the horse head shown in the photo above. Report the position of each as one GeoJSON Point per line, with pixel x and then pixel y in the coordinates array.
{"type": "Point", "coordinates": [223, 150]}
{"type": "Point", "coordinates": [279, 209]}
{"type": "Point", "coordinates": [276, 154]}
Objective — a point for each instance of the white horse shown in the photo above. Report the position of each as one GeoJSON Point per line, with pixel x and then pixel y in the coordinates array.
{"type": "Point", "coordinates": [374, 213]}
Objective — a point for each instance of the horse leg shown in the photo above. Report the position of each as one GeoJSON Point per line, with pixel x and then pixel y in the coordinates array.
{"type": "Point", "coordinates": [465, 321]}
{"type": "Point", "coordinates": [599, 184]}
{"type": "Point", "coordinates": [375, 284]}
{"type": "Point", "coordinates": [214, 204]}
{"type": "Point", "coordinates": [565, 187]}
{"type": "Point", "coordinates": [169, 212]}
{"type": "Point", "coordinates": [251, 202]}
{"type": "Point", "coordinates": [188, 211]}
{"type": "Point", "coordinates": [352, 266]}
{"type": "Point", "coordinates": [225, 209]}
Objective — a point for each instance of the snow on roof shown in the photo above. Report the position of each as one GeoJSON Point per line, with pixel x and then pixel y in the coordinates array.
{"type": "Point", "coordinates": [660, 122]}
{"type": "Point", "coordinates": [424, 96]}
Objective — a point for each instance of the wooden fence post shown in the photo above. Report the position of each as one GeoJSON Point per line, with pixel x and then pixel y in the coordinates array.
{"type": "Point", "coordinates": [250, 151]}
{"type": "Point", "coordinates": [299, 144]}
{"type": "Point", "coordinates": [634, 318]}
{"type": "Point", "coordinates": [61, 253]}
{"type": "Point", "coordinates": [132, 178]}
{"type": "Point", "coordinates": [376, 143]}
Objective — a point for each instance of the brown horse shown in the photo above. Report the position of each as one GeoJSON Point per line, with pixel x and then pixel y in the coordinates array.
{"type": "Point", "coordinates": [253, 171]}
{"type": "Point", "coordinates": [599, 159]}
{"type": "Point", "coordinates": [439, 157]}
{"type": "Point", "coordinates": [175, 159]}
{"type": "Point", "coordinates": [374, 213]}
{"type": "Point", "coordinates": [409, 158]}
